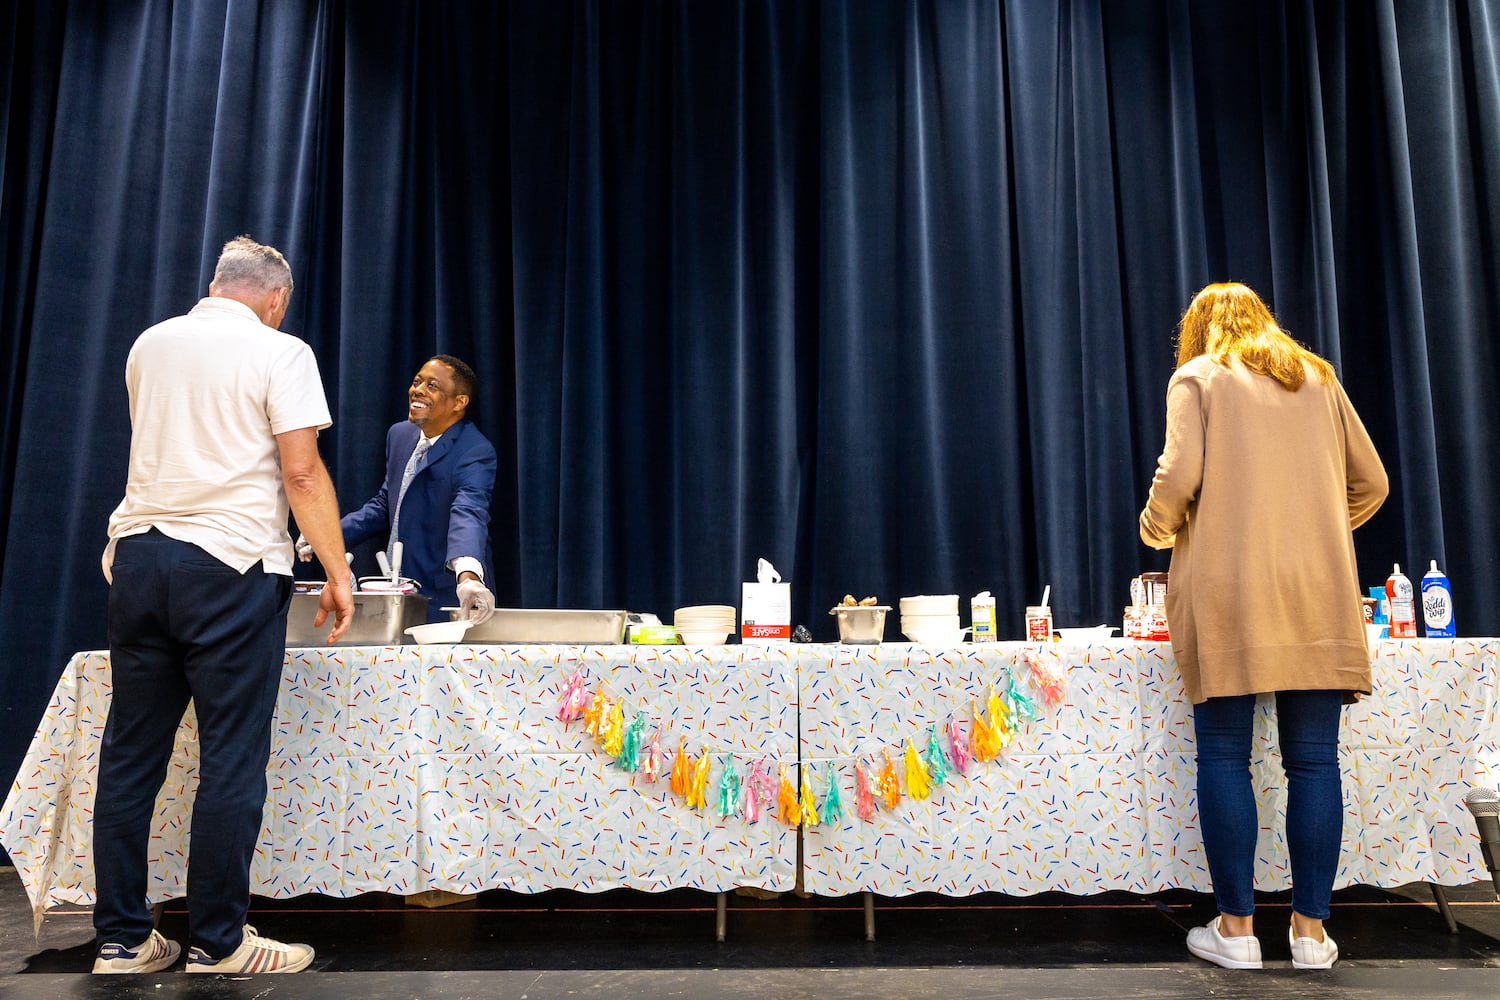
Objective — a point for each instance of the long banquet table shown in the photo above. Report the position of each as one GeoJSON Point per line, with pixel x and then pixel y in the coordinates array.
{"type": "Point", "coordinates": [404, 769]}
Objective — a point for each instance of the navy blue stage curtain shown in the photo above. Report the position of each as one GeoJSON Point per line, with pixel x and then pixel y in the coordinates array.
{"type": "Point", "coordinates": [881, 290]}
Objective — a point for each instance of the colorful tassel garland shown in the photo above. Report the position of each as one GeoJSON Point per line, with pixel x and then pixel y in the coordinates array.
{"type": "Point", "coordinates": [833, 806]}
{"type": "Point", "coordinates": [958, 745]}
{"type": "Point", "coordinates": [936, 761]}
{"type": "Point", "coordinates": [574, 698]}
{"type": "Point", "coordinates": [789, 812]}
{"type": "Point", "coordinates": [729, 791]}
{"type": "Point", "coordinates": [864, 802]}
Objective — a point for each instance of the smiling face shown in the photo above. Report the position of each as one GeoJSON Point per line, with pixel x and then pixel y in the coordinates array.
{"type": "Point", "coordinates": [433, 401]}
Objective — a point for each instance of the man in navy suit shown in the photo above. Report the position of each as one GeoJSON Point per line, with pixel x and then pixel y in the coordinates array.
{"type": "Point", "coordinates": [439, 474]}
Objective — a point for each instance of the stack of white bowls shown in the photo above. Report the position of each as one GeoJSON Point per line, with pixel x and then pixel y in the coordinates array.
{"type": "Point", "coordinates": [704, 624]}
{"type": "Point", "coordinates": [931, 620]}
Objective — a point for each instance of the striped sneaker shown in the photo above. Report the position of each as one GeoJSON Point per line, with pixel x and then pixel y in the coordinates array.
{"type": "Point", "coordinates": [153, 956]}
{"type": "Point", "coordinates": [255, 954]}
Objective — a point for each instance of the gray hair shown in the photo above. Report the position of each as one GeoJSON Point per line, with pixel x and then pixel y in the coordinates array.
{"type": "Point", "coordinates": [246, 265]}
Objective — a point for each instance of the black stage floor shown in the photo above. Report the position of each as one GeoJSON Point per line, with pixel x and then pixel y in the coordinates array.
{"type": "Point", "coordinates": [630, 944]}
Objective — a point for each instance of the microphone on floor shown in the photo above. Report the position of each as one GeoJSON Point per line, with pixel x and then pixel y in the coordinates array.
{"type": "Point", "coordinates": [1484, 804]}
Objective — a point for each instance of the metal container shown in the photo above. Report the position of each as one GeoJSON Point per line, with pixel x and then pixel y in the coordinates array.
{"type": "Point", "coordinates": [541, 626]}
{"type": "Point", "coordinates": [861, 624]}
{"type": "Point", "coordinates": [379, 620]}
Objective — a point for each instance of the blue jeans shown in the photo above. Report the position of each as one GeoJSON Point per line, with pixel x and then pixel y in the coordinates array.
{"type": "Point", "coordinates": [183, 625]}
{"type": "Point", "coordinates": [1307, 725]}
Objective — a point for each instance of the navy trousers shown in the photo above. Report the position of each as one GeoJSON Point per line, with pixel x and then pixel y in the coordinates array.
{"type": "Point", "coordinates": [183, 625]}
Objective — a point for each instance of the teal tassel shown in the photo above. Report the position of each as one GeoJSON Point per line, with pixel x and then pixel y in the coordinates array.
{"type": "Point", "coordinates": [833, 808]}
{"type": "Point", "coordinates": [729, 790]}
{"type": "Point", "coordinates": [938, 764]}
{"type": "Point", "coordinates": [630, 745]}
{"type": "Point", "coordinates": [1021, 707]}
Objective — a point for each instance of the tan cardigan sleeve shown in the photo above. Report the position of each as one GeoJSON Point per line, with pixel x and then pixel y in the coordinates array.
{"type": "Point", "coordinates": [1179, 470]}
{"type": "Point", "coordinates": [1363, 471]}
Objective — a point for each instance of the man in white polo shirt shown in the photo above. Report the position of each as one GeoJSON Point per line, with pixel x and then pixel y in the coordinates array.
{"type": "Point", "coordinates": [224, 413]}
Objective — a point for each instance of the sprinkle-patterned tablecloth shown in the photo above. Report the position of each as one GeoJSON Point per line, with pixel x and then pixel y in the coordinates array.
{"type": "Point", "coordinates": [402, 769]}
{"type": "Point", "coordinates": [1097, 792]}
{"type": "Point", "coordinates": [408, 768]}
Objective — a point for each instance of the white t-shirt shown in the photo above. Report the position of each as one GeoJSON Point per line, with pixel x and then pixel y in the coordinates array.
{"type": "Point", "coordinates": [208, 393]}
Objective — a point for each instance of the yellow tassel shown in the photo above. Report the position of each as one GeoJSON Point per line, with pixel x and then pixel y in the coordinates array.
{"type": "Point", "coordinates": [1000, 719]}
{"type": "Point", "coordinates": [917, 783]}
{"type": "Point", "coordinates": [698, 788]}
{"type": "Point", "coordinates": [809, 803]}
{"type": "Point", "coordinates": [789, 812]}
{"type": "Point", "coordinates": [614, 731]}
{"type": "Point", "coordinates": [594, 715]}
{"type": "Point", "coordinates": [983, 743]}
{"type": "Point", "coordinates": [1000, 722]}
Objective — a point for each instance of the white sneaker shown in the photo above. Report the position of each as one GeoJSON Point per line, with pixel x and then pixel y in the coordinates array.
{"type": "Point", "coordinates": [1310, 954]}
{"type": "Point", "coordinates": [154, 955]}
{"type": "Point", "coordinates": [1231, 952]}
{"type": "Point", "coordinates": [255, 954]}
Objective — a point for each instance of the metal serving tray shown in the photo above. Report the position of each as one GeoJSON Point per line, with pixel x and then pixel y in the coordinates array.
{"type": "Point", "coordinates": [379, 620]}
{"type": "Point", "coordinates": [539, 626]}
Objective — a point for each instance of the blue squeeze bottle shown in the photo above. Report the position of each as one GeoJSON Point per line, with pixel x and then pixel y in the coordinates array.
{"type": "Point", "coordinates": [1437, 604]}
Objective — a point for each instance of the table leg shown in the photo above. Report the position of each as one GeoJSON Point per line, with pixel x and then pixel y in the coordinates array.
{"type": "Point", "coordinates": [869, 916]}
{"type": "Point", "coordinates": [720, 915]}
{"type": "Point", "coordinates": [1442, 904]}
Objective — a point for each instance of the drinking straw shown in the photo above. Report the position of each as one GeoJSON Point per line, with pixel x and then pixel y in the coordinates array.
{"type": "Point", "coordinates": [1046, 593]}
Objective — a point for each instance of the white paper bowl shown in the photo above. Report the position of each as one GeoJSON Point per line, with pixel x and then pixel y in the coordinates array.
{"type": "Point", "coordinates": [930, 604]}
{"type": "Point", "coordinates": [439, 632]}
{"type": "Point", "coordinates": [1372, 632]}
{"type": "Point", "coordinates": [703, 638]}
{"type": "Point", "coordinates": [936, 636]}
{"type": "Point", "coordinates": [1087, 634]}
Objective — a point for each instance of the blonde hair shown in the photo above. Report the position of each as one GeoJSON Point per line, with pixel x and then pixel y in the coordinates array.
{"type": "Point", "coordinates": [1229, 320]}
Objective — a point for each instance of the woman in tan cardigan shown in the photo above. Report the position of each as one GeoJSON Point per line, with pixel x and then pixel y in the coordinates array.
{"type": "Point", "coordinates": [1265, 471]}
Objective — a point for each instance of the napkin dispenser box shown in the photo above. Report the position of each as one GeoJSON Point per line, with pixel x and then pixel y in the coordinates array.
{"type": "Point", "coordinates": [766, 613]}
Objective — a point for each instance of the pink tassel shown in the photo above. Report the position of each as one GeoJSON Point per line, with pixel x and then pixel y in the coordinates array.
{"type": "Point", "coordinates": [958, 742]}
{"type": "Point", "coordinates": [650, 768]}
{"type": "Point", "coordinates": [574, 698]}
{"type": "Point", "coordinates": [864, 800]}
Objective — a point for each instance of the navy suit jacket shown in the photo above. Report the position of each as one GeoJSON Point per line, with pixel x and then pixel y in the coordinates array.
{"type": "Point", "coordinates": [446, 511]}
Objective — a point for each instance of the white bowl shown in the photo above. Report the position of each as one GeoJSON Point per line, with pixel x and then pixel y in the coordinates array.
{"type": "Point", "coordinates": [1372, 632]}
{"type": "Point", "coordinates": [703, 638]}
{"type": "Point", "coordinates": [1091, 633]}
{"type": "Point", "coordinates": [437, 632]}
{"type": "Point", "coordinates": [935, 636]}
{"type": "Point", "coordinates": [930, 604]}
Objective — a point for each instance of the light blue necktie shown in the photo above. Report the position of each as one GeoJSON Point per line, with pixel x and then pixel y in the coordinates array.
{"type": "Point", "coordinates": [412, 465]}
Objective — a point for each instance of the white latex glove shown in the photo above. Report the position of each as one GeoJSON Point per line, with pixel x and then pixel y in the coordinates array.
{"type": "Point", "coordinates": [304, 549]}
{"type": "Point", "coordinates": [475, 601]}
